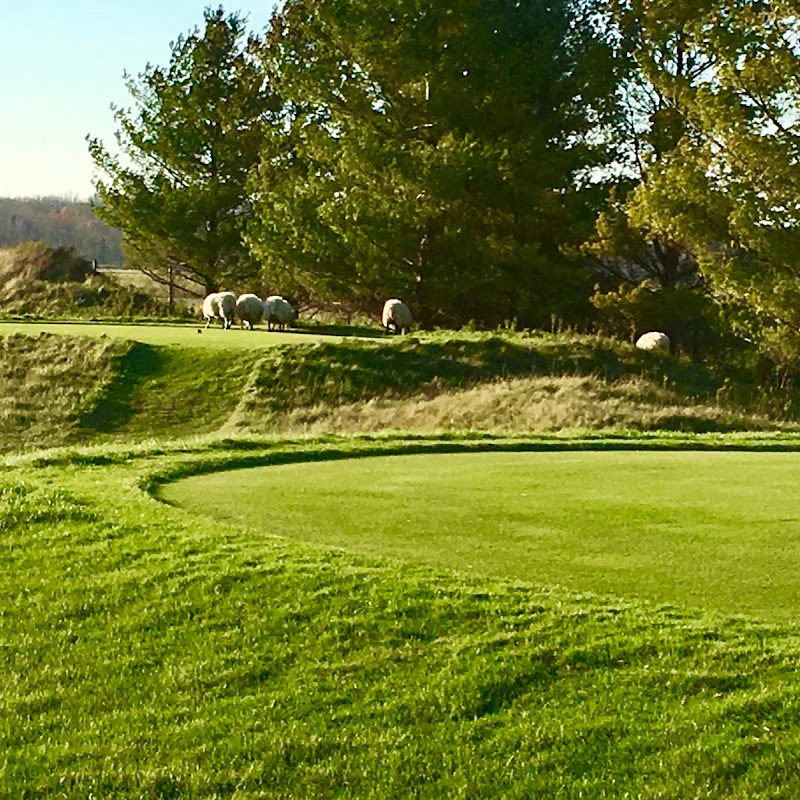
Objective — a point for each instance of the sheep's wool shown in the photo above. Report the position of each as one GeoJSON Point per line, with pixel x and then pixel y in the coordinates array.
{"type": "Point", "coordinates": [397, 314]}
{"type": "Point", "coordinates": [219, 304]}
{"type": "Point", "coordinates": [249, 309]}
{"type": "Point", "coordinates": [653, 340]}
{"type": "Point", "coordinates": [278, 311]}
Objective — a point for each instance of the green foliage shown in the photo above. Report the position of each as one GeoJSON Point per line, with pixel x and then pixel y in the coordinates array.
{"type": "Point", "coordinates": [728, 187]}
{"type": "Point", "coordinates": [684, 313]}
{"type": "Point", "coordinates": [177, 188]}
{"type": "Point", "coordinates": [427, 156]}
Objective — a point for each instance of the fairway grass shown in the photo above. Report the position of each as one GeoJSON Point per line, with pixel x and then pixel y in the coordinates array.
{"type": "Point", "coordinates": [698, 530]}
{"type": "Point", "coordinates": [149, 651]}
{"type": "Point", "coordinates": [173, 334]}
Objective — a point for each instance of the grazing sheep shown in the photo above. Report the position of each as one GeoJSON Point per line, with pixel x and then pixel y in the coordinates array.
{"type": "Point", "coordinates": [653, 340]}
{"type": "Point", "coordinates": [278, 312]}
{"type": "Point", "coordinates": [397, 315]}
{"type": "Point", "coordinates": [249, 310]}
{"type": "Point", "coordinates": [219, 304]}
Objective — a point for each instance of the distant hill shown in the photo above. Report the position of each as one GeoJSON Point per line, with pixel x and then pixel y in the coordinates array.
{"type": "Point", "coordinates": [59, 222]}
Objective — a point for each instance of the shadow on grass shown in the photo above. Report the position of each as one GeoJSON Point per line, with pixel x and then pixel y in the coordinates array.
{"type": "Point", "coordinates": [114, 408]}
{"type": "Point", "coordinates": [357, 371]}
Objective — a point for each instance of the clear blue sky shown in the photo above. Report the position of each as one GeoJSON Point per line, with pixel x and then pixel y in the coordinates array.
{"type": "Point", "coordinates": [61, 67]}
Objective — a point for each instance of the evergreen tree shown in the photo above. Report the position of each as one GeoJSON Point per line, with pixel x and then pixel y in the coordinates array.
{"type": "Point", "coordinates": [177, 188]}
{"type": "Point", "coordinates": [444, 153]}
{"type": "Point", "coordinates": [727, 186]}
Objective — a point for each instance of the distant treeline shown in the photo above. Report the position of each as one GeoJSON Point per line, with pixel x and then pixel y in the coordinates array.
{"type": "Point", "coordinates": [59, 222]}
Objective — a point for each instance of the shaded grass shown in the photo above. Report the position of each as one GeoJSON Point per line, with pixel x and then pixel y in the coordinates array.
{"type": "Point", "coordinates": [148, 652]}
{"type": "Point", "coordinates": [48, 384]}
{"type": "Point", "coordinates": [501, 382]}
{"type": "Point", "coordinates": [182, 391]}
{"type": "Point", "coordinates": [61, 389]}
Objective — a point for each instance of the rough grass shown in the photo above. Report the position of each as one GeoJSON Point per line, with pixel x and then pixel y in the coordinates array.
{"type": "Point", "coordinates": [150, 653]}
{"type": "Point", "coordinates": [49, 384]}
{"type": "Point", "coordinates": [174, 382]}
{"type": "Point", "coordinates": [499, 382]}
{"type": "Point", "coordinates": [547, 403]}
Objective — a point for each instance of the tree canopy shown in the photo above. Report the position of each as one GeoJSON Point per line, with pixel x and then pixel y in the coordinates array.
{"type": "Point", "coordinates": [178, 185]}
{"type": "Point", "coordinates": [437, 152]}
{"type": "Point", "coordinates": [487, 160]}
{"type": "Point", "coordinates": [727, 184]}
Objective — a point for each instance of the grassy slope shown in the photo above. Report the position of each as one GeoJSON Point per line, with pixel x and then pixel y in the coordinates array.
{"type": "Point", "coordinates": [151, 653]}
{"type": "Point", "coordinates": [48, 385]}
{"type": "Point", "coordinates": [57, 390]}
{"type": "Point", "coordinates": [174, 382]}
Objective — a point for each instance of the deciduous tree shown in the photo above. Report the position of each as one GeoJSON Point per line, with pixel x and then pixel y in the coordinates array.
{"type": "Point", "coordinates": [729, 187]}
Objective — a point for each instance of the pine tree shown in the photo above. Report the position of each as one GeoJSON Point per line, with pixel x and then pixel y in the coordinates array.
{"type": "Point", "coordinates": [177, 187]}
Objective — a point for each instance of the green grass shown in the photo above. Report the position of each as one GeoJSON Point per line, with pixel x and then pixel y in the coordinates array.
{"type": "Point", "coordinates": [49, 385]}
{"type": "Point", "coordinates": [706, 530]}
{"type": "Point", "coordinates": [173, 382]}
{"type": "Point", "coordinates": [148, 652]}
{"type": "Point", "coordinates": [191, 334]}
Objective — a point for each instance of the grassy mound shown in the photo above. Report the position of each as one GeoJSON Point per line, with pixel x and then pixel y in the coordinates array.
{"type": "Point", "coordinates": [57, 390]}
{"type": "Point", "coordinates": [41, 281]}
{"type": "Point", "coordinates": [50, 385]}
{"type": "Point", "coordinates": [501, 382]}
{"type": "Point", "coordinates": [62, 389]}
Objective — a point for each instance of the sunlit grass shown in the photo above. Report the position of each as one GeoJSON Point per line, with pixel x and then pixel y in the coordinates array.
{"type": "Point", "coordinates": [699, 530]}
{"type": "Point", "coordinates": [190, 334]}
{"type": "Point", "coordinates": [151, 652]}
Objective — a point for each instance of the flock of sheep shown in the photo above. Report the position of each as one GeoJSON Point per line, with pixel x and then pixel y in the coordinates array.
{"type": "Point", "coordinates": [277, 312]}
{"type": "Point", "coordinates": [249, 309]}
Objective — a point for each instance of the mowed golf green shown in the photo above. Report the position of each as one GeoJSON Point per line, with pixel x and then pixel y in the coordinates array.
{"type": "Point", "coordinates": [717, 531]}
{"type": "Point", "coordinates": [181, 335]}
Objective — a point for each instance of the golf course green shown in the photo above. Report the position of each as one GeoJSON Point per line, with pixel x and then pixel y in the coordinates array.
{"type": "Point", "coordinates": [715, 531]}
{"type": "Point", "coordinates": [172, 334]}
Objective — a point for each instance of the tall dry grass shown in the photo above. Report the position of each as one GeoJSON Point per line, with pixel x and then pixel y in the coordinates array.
{"type": "Point", "coordinates": [516, 405]}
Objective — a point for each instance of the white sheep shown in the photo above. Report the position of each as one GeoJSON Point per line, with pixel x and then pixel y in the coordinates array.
{"type": "Point", "coordinates": [396, 314]}
{"type": "Point", "coordinates": [278, 312]}
{"type": "Point", "coordinates": [219, 304]}
{"type": "Point", "coordinates": [653, 340]}
{"type": "Point", "coordinates": [249, 310]}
